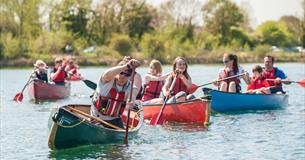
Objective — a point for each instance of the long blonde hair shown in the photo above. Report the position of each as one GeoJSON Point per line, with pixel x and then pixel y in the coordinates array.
{"type": "Point", "coordinates": [157, 65]}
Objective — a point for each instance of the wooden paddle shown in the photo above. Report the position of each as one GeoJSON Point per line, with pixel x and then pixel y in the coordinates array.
{"type": "Point", "coordinates": [300, 82]}
{"type": "Point", "coordinates": [19, 96]}
{"type": "Point", "coordinates": [158, 118]}
{"type": "Point", "coordinates": [194, 87]}
{"type": "Point", "coordinates": [129, 100]}
{"type": "Point", "coordinates": [96, 119]}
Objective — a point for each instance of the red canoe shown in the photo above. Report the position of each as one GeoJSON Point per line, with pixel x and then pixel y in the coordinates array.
{"type": "Point", "coordinates": [194, 111]}
{"type": "Point", "coordinates": [44, 91]}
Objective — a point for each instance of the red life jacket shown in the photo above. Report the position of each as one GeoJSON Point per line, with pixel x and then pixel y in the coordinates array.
{"type": "Point", "coordinates": [179, 86]}
{"type": "Point", "coordinates": [271, 75]}
{"type": "Point", "coordinates": [60, 77]}
{"type": "Point", "coordinates": [229, 74]}
{"type": "Point", "coordinates": [257, 83]}
{"type": "Point", "coordinates": [152, 90]}
{"type": "Point", "coordinates": [71, 67]}
{"type": "Point", "coordinates": [114, 103]}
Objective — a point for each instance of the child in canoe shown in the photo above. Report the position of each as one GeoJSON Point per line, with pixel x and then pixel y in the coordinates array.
{"type": "Point", "coordinates": [258, 83]}
{"type": "Point", "coordinates": [153, 81]}
{"type": "Point", "coordinates": [41, 72]}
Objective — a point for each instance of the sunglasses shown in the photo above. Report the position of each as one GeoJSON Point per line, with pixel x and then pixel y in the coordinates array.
{"type": "Point", "coordinates": [225, 61]}
{"type": "Point", "coordinates": [125, 74]}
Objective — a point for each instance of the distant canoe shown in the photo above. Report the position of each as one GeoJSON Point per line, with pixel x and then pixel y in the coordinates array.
{"type": "Point", "coordinates": [39, 90]}
{"type": "Point", "coordinates": [193, 111]}
{"type": "Point", "coordinates": [228, 102]}
{"type": "Point", "coordinates": [70, 129]}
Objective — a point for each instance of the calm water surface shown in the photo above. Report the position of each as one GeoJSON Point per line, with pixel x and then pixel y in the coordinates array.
{"type": "Point", "coordinates": [278, 134]}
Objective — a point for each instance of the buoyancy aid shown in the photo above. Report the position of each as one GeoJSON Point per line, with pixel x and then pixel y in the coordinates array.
{"type": "Point", "coordinates": [152, 90]}
{"type": "Point", "coordinates": [257, 83]}
{"type": "Point", "coordinates": [114, 103]}
{"type": "Point", "coordinates": [229, 74]}
{"type": "Point", "coordinates": [178, 87]}
{"type": "Point", "coordinates": [72, 67]}
{"type": "Point", "coordinates": [60, 77]}
{"type": "Point", "coordinates": [271, 75]}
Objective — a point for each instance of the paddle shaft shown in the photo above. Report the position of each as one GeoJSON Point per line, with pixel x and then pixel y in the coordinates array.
{"type": "Point", "coordinates": [288, 81]}
{"type": "Point", "coordinates": [223, 79]}
{"type": "Point", "coordinates": [27, 82]}
{"type": "Point", "coordinates": [128, 113]}
{"type": "Point", "coordinates": [164, 103]}
{"type": "Point", "coordinates": [97, 119]}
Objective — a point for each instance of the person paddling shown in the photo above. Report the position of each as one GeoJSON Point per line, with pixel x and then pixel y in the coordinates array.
{"type": "Point", "coordinates": [71, 68]}
{"type": "Point", "coordinates": [274, 75]}
{"type": "Point", "coordinates": [40, 72]}
{"type": "Point", "coordinates": [58, 73]}
{"type": "Point", "coordinates": [183, 82]}
{"type": "Point", "coordinates": [153, 81]}
{"type": "Point", "coordinates": [231, 68]}
{"type": "Point", "coordinates": [258, 83]}
{"type": "Point", "coordinates": [110, 98]}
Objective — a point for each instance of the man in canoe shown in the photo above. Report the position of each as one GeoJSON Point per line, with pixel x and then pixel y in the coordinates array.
{"type": "Point", "coordinates": [58, 73]}
{"type": "Point", "coordinates": [258, 83]}
{"type": "Point", "coordinates": [110, 98]}
{"type": "Point", "coordinates": [41, 72]}
{"type": "Point", "coordinates": [274, 75]}
{"type": "Point", "coordinates": [231, 68]}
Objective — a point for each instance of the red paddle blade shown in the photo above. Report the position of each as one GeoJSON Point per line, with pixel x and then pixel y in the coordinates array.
{"type": "Point", "coordinates": [155, 120]}
{"type": "Point", "coordinates": [193, 88]}
{"type": "Point", "coordinates": [302, 83]}
{"type": "Point", "coordinates": [18, 97]}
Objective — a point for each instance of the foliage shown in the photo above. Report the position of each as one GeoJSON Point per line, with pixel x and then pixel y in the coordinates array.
{"type": "Point", "coordinates": [220, 16]}
{"type": "Point", "coordinates": [275, 34]}
{"type": "Point", "coordinates": [121, 43]}
{"type": "Point", "coordinates": [261, 50]}
{"type": "Point", "coordinates": [11, 46]}
{"type": "Point", "coordinates": [152, 47]}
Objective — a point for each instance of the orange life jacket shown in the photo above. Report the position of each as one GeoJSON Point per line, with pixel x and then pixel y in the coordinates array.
{"type": "Point", "coordinates": [257, 83]}
{"type": "Point", "coordinates": [152, 90]}
{"type": "Point", "coordinates": [271, 75]}
{"type": "Point", "coordinates": [114, 103]}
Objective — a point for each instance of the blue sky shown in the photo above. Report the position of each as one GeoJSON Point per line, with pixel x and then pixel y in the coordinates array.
{"type": "Point", "coordinates": [263, 10]}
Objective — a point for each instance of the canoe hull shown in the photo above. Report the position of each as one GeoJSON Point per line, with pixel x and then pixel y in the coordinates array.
{"type": "Point", "coordinates": [69, 129]}
{"type": "Point", "coordinates": [194, 111]}
{"type": "Point", "coordinates": [44, 91]}
{"type": "Point", "coordinates": [229, 102]}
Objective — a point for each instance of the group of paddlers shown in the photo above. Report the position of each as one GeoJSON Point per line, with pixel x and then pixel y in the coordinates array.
{"type": "Point", "coordinates": [114, 86]}
{"type": "Point", "coordinates": [63, 69]}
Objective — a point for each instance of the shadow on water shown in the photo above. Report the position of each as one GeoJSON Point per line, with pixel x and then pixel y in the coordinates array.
{"type": "Point", "coordinates": [110, 151]}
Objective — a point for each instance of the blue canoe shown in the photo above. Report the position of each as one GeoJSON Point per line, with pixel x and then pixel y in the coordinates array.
{"type": "Point", "coordinates": [230, 102]}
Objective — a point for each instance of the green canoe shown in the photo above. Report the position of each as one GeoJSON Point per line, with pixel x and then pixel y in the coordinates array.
{"type": "Point", "coordinates": [72, 126]}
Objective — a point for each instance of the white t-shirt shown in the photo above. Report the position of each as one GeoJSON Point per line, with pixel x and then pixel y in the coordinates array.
{"type": "Point", "coordinates": [103, 90]}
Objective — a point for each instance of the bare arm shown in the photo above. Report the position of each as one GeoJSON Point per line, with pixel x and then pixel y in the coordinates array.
{"type": "Point", "coordinates": [109, 74]}
{"type": "Point", "coordinates": [137, 82]}
{"type": "Point", "coordinates": [166, 85]}
{"type": "Point", "coordinates": [187, 82]}
{"type": "Point", "coordinates": [149, 77]}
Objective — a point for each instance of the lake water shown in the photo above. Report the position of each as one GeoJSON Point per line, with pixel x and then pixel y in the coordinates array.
{"type": "Point", "coordinates": [277, 134]}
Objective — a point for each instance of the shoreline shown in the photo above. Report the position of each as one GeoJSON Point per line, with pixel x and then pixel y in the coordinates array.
{"type": "Point", "coordinates": [112, 61]}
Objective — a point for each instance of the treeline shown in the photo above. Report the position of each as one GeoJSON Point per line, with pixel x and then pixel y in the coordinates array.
{"type": "Point", "coordinates": [44, 28]}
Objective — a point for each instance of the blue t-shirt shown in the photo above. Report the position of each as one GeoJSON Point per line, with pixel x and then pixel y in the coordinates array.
{"type": "Point", "coordinates": [279, 73]}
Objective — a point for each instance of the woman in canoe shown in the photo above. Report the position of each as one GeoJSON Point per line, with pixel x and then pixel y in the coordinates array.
{"type": "Point", "coordinates": [153, 81]}
{"type": "Point", "coordinates": [41, 72]}
{"type": "Point", "coordinates": [58, 73]}
{"type": "Point", "coordinates": [231, 69]}
{"type": "Point", "coordinates": [258, 83]}
{"type": "Point", "coordinates": [275, 75]}
{"type": "Point", "coordinates": [110, 98]}
{"type": "Point", "coordinates": [182, 84]}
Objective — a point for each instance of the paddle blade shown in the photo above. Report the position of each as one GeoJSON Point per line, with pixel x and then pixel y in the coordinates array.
{"type": "Point", "coordinates": [90, 84]}
{"type": "Point", "coordinates": [193, 88]}
{"type": "Point", "coordinates": [18, 97]}
{"type": "Point", "coordinates": [302, 83]}
{"type": "Point", "coordinates": [156, 119]}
